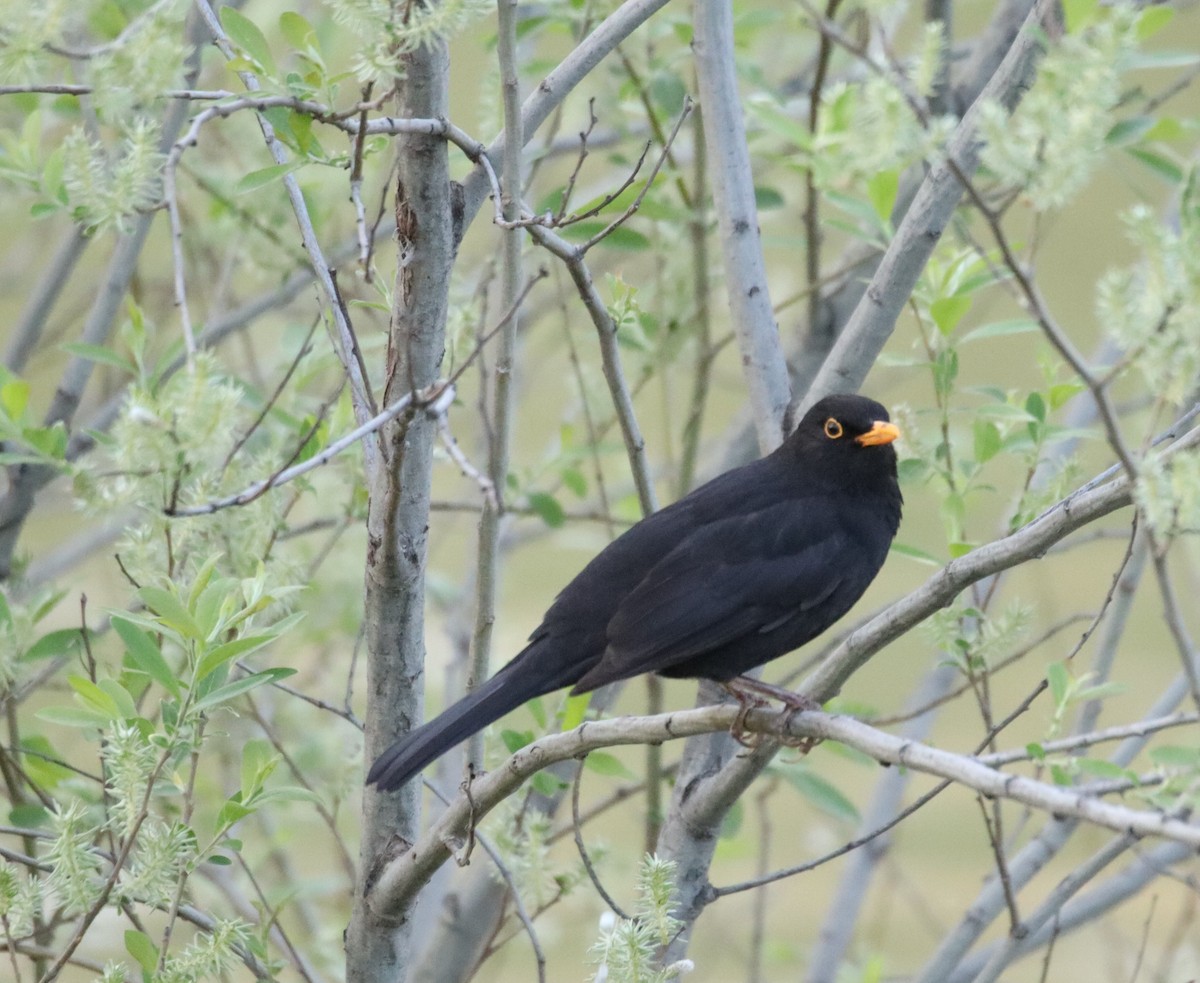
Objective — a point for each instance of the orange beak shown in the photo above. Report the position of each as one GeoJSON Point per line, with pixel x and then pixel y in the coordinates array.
{"type": "Point", "coordinates": [881, 432]}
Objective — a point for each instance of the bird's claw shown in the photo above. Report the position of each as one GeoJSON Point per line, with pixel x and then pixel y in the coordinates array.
{"type": "Point", "coordinates": [753, 694]}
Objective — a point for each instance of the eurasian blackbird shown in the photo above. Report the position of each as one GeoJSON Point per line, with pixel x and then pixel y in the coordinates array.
{"type": "Point", "coordinates": [740, 571]}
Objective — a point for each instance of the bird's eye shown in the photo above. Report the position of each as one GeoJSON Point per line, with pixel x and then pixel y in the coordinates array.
{"type": "Point", "coordinates": [833, 429]}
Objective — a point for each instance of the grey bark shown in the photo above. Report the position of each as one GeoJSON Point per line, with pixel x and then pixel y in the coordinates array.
{"type": "Point", "coordinates": [377, 943]}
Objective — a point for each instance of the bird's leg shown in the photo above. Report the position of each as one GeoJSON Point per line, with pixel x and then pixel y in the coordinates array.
{"type": "Point", "coordinates": [747, 688]}
{"type": "Point", "coordinates": [747, 701]}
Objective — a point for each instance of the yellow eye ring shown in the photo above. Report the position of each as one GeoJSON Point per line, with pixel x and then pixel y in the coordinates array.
{"type": "Point", "coordinates": [833, 429]}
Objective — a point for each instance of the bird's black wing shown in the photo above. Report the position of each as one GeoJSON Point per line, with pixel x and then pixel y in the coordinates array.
{"type": "Point", "coordinates": [738, 576]}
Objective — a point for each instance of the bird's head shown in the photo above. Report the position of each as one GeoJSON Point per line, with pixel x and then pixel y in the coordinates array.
{"type": "Point", "coordinates": [847, 438]}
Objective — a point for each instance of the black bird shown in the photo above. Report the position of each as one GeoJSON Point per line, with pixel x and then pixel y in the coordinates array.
{"type": "Point", "coordinates": [742, 570]}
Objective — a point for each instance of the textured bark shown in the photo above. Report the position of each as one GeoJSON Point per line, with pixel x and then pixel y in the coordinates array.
{"type": "Point", "coordinates": [377, 943]}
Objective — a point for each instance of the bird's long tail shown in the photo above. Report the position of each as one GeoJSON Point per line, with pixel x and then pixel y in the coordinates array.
{"type": "Point", "coordinates": [507, 690]}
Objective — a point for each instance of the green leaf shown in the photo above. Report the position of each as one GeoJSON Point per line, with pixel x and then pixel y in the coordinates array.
{"type": "Point", "coordinates": [948, 311]}
{"type": "Point", "coordinates": [1173, 756]}
{"type": "Point", "coordinates": [73, 717]}
{"type": "Point", "coordinates": [822, 794]}
{"type": "Point", "coordinates": [881, 192]}
{"type": "Point", "coordinates": [767, 198]}
{"type": "Point", "coordinates": [49, 441]}
{"type": "Point", "coordinates": [143, 950]}
{"type": "Point", "coordinates": [547, 783]}
{"type": "Point", "coordinates": [145, 655]}
{"type": "Point", "coordinates": [1100, 769]}
{"type": "Point", "coordinates": [297, 31]}
{"type": "Point", "coordinates": [247, 36]}
{"type": "Point", "coordinates": [258, 761]}
{"type": "Point", "coordinates": [266, 175]}
{"type": "Point", "coordinates": [100, 355]}
{"type": "Point", "coordinates": [903, 549]}
{"type": "Point", "coordinates": [1129, 130]}
{"type": "Point", "coordinates": [65, 641]}
{"type": "Point", "coordinates": [996, 329]}
{"type": "Point", "coordinates": [547, 507]}
{"type": "Point", "coordinates": [622, 237]}
{"type": "Point", "coordinates": [93, 697]}
{"type": "Point", "coordinates": [514, 740]}
{"type": "Point", "coordinates": [575, 709]}
{"type": "Point", "coordinates": [987, 440]}
{"type": "Point", "coordinates": [1060, 682]}
{"type": "Point", "coordinates": [5, 611]}
{"type": "Point", "coordinates": [170, 610]}
{"type": "Point", "coordinates": [14, 397]}
{"type": "Point", "coordinates": [603, 763]}
{"type": "Point", "coordinates": [1159, 163]}
{"type": "Point", "coordinates": [1078, 14]}
{"type": "Point", "coordinates": [239, 686]}
{"type": "Point", "coordinates": [218, 656]}
{"type": "Point", "coordinates": [1152, 20]}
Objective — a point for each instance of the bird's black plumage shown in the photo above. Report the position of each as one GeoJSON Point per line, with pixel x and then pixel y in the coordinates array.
{"type": "Point", "coordinates": [742, 570]}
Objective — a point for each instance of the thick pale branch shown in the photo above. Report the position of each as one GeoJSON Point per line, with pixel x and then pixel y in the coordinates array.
{"type": "Point", "coordinates": [407, 872]}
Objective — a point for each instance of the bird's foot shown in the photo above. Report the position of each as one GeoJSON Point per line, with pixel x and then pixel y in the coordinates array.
{"type": "Point", "coordinates": [746, 703]}
{"type": "Point", "coordinates": [754, 693]}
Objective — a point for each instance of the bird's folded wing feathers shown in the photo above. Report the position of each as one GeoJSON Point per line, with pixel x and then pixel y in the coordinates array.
{"type": "Point", "coordinates": [724, 582]}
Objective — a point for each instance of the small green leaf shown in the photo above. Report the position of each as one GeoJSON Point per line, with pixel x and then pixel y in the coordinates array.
{"type": "Point", "coordinates": [996, 329]}
{"type": "Point", "coordinates": [145, 655]}
{"type": "Point", "coordinates": [1159, 163]}
{"type": "Point", "coordinates": [948, 311]}
{"type": "Point", "coordinates": [881, 191]}
{"type": "Point", "coordinates": [547, 507]}
{"type": "Point", "coordinates": [603, 763]}
{"type": "Point", "coordinates": [143, 950]}
{"type": "Point", "coordinates": [575, 709]}
{"type": "Point", "coordinates": [247, 36]}
{"type": "Point", "coordinates": [170, 609]}
{"type": "Point", "coordinates": [514, 740]}
{"type": "Point", "coordinates": [297, 31]}
{"type": "Point", "coordinates": [903, 549]}
{"type": "Point", "coordinates": [218, 656]}
{"type": "Point", "coordinates": [1173, 756]}
{"type": "Point", "coordinates": [14, 397]}
{"type": "Point", "coordinates": [239, 686]}
{"type": "Point", "coordinates": [987, 440]}
{"type": "Point", "coordinates": [93, 697]}
{"type": "Point", "coordinates": [264, 176]}
{"type": "Point", "coordinates": [1152, 20]}
{"type": "Point", "coordinates": [1060, 683]}
{"type": "Point", "coordinates": [100, 355]}
{"type": "Point", "coordinates": [65, 641]}
{"type": "Point", "coordinates": [767, 199]}
{"type": "Point", "coordinates": [822, 794]}
{"type": "Point", "coordinates": [73, 717]}
{"type": "Point", "coordinates": [1078, 14]}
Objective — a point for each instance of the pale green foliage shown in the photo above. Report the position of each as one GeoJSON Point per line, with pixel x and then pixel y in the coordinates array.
{"type": "Point", "coordinates": [106, 189]}
{"type": "Point", "coordinates": [114, 972]}
{"type": "Point", "coordinates": [387, 30]}
{"type": "Point", "coordinates": [1153, 307]}
{"type": "Point", "coordinates": [1050, 144]}
{"type": "Point", "coordinates": [1168, 493]}
{"type": "Point", "coordinates": [976, 641]}
{"type": "Point", "coordinates": [627, 950]}
{"type": "Point", "coordinates": [75, 867]}
{"type": "Point", "coordinates": [170, 448]}
{"type": "Point", "coordinates": [28, 29]}
{"type": "Point", "coordinates": [867, 128]}
{"type": "Point", "coordinates": [164, 852]}
{"type": "Point", "coordinates": [209, 955]}
{"type": "Point", "coordinates": [20, 898]}
{"type": "Point", "coordinates": [128, 762]}
{"type": "Point", "coordinates": [522, 838]}
{"type": "Point", "coordinates": [136, 69]}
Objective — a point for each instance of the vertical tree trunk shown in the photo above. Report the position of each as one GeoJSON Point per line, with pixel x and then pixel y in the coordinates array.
{"type": "Point", "coordinates": [398, 517]}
